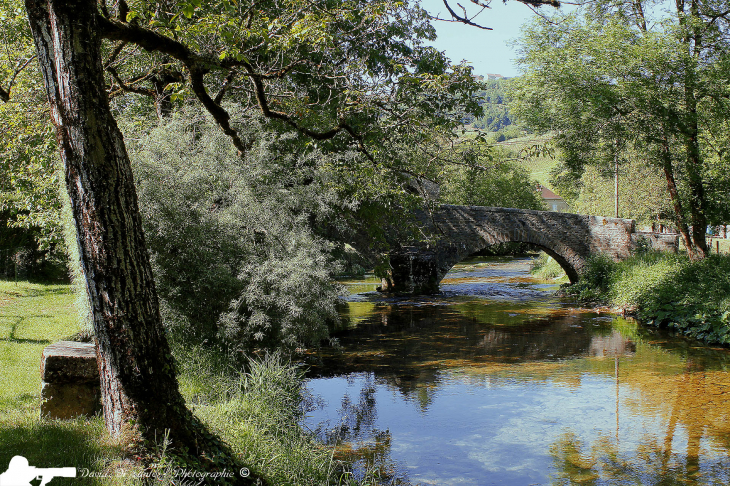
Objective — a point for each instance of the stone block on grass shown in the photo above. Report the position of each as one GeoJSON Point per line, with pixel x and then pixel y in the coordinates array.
{"type": "Point", "coordinates": [70, 381]}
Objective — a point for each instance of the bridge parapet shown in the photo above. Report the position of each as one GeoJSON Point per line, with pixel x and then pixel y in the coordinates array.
{"type": "Point", "coordinates": [459, 231]}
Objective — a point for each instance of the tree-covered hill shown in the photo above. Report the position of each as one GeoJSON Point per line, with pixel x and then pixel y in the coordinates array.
{"type": "Point", "coordinates": [495, 102]}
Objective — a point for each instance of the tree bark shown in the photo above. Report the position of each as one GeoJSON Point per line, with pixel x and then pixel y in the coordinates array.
{"type": "Point", "coordinates": [138, 381]}
{"type": "Point", "coordinates": [674, 196]}
{"type": "Point", "coordinates": [694, 159]}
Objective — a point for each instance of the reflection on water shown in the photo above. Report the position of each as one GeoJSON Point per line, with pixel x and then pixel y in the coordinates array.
{"type": "Point", "coordinates": [496, 381]}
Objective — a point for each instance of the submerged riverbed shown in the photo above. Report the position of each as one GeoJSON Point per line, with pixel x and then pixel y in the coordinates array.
{"type": "Point", "coordinates": [497, 381]}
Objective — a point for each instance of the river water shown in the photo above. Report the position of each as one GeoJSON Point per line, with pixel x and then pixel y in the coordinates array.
{"type": "Point", "coordinates": [496, 381]}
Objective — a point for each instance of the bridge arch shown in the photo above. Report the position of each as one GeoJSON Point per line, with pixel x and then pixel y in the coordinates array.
{"type": "Point", "coordinates": [460, 231]}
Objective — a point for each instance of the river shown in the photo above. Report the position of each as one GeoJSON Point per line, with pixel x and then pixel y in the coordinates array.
{"type": "Point", "coordinates": [496, 381]}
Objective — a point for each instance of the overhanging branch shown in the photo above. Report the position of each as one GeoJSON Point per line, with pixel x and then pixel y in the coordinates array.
{"type": "Point", "coordinates": [198, 65]}
{"type": "Point", "coordinates": [467, 20]}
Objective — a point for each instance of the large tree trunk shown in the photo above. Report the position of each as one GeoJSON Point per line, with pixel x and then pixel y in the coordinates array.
{"type": "Point", "coordinates": [674, 196]}
{"type": "Point", "coordinates": [139, 387]}
{"type": "Point", "coordinates": [690, 131]}
{"type": "Point", "coordinates": [138, 377]}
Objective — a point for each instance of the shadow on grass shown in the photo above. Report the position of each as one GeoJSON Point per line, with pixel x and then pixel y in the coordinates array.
{"type": "Point", "coordinates": [54, 444]}
{"type": "Point", "coordinates": [25, 341]}
{"type": "Point", "coordinates": [14, 328]}
{"type": "Point", "coordinates": [23, 291]}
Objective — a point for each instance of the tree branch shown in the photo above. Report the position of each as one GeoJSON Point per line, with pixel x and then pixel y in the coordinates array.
{"type": "Point", "coordinates": [229, 79]}
{"type": "Point", "coordinates": [465, 19]}
{"type": "Point", "coordinates": [198, 65]}
{"type": "Point", "coordinates": [5, 93]}
{"type": "Point", "coordinates": [220, 115]}
{"type": "Point", "coordinates": [127, 87]}
{"type": "Point", "coordinates": [115, 53]}
{"type": "Point", "coordinates": [262, 100]}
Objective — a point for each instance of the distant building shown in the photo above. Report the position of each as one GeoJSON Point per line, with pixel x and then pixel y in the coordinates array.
{"type": "Point", "coordinates": [552, 200]}
{"type": "Point", "coordinates": [489, 76]}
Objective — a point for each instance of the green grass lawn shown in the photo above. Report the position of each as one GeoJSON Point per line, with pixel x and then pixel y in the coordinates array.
{"type": "Point", "coordinates": [32, 316]}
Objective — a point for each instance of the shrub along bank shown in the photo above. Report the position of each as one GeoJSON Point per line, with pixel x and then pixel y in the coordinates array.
{"type": "Point", "coordinates": [665, 290]}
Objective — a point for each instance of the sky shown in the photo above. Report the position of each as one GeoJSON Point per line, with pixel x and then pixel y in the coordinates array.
{"type": "Point", "coordinates": [486, 50]}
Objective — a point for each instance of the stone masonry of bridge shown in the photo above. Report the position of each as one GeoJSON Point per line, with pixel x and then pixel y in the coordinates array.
{"type": "Point", "coordinates": [455, 232]}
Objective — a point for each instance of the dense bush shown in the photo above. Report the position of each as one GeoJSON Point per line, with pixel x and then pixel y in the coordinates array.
{"type": "Point", "coordinates": [595, 279]}
{"type": "Point", "coordinates": [234, 255]}
{"type": "Point", "coordinates": [666, 290]}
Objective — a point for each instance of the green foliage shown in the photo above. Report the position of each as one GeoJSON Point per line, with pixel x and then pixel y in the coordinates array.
{"type": "Point", "coordinates": [322, 66]}
{"type": "Point", "coordinates": [642, 201]}
{"type": "Point", "coordinates": [30, 223]}
{"type": "Point", "coordinates": [566, 181]}
{"type": "Point", "coordinates": [494, 101]}
{"type": "Point", "coordinates": [501, 184]}
{"type": "Point", "coordinates": [689, 297]}
{"type": "Point", "coordinates": [667, 290]}
{"type": "Point", "coordinates": [627, 84]}
{"type": "Point", "coordinates": [717, 180]}
{"type": "Point", "coordinates": [595, 279]}
{"type": "Point", "coordinates": [234, 253]}
{"type": "Point", "coordinates": [257, 412]}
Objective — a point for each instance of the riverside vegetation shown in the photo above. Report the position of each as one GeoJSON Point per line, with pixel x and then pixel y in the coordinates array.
{"type": "Point", "coordinates": [257, 411]}
{"type": "Point", "coordinates": [244, 247]}
{"type": "Point", "coordinates": [661, 289]}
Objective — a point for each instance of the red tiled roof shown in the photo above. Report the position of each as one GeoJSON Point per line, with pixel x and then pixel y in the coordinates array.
{"type": "Point", "coordinates": [548, 194]}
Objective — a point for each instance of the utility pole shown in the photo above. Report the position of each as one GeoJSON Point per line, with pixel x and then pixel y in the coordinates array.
{"type": "Point", "coordinates": [615, 179]}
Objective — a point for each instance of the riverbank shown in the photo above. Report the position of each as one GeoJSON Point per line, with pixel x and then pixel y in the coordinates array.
{"type": "Point", "coordinates": [257, 413]}
{"type": "Point", "coordinates": [664, 290]}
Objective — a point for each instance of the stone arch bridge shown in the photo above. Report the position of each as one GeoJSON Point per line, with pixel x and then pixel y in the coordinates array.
{"type": "Point", "coordinates": [455, 232]}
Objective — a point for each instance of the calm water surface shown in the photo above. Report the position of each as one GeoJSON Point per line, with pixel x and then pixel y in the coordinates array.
{"type": "Point", "coordinates": [497, 381]}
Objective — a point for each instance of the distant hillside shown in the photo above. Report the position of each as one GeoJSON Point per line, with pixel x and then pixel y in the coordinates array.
{"type": "Point", "coordinates": [495, 102]}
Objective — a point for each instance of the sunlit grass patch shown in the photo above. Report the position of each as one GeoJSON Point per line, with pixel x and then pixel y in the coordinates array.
{"type": "Point", "coordinates": [545, 267]}
{"type": "Point", "coordinates": [257, 412]}
{"type": "Point", "coordinates": [32, 316]}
